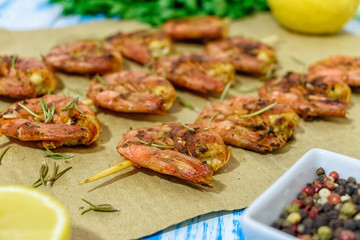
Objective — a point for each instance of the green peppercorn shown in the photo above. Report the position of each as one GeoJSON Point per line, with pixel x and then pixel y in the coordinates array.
{"type": "Point", "coordinates": [357, 217]}
{"type": "Point", "coordinates": [348, 209]}
{"type": "Point", "coordinates": [358, 191]}
{"type": "Point", "coordinates": [324, 233]}
{"type": "Point", "coordinates": [292, 207]}
{"type": "Point", "coordinates": [316, 196]}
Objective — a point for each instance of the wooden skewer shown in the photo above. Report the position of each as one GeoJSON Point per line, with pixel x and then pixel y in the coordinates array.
{"type": "Point", "coordinates": [109, 171]}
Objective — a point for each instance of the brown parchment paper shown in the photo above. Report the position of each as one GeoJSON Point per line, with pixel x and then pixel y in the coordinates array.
{"type": "Point", "coordinates": [149, 201]}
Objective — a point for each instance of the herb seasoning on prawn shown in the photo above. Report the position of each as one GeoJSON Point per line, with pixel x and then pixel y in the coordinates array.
{"type": "Point", "coordinates": [257, 124]}
{"type": "Point", "coordinates": [68, 122]}
{"type": "Point", "coordinates": [192, 153]}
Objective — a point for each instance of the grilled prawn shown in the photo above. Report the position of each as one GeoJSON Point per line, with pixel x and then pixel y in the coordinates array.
{"type": "Point", "coordinates": [132, 92]}
{"type": "Point", "coordinates": [316, 97]}
{"type": "Point", "coordinates": [173, 149]}
{"type": "Point", "coordinates": [142, 46]}
{"type": "Point", "coordinates": [198, 72]}
{"type": "Point", "coordinates": [71, 123]}
{"type": "Point", "coordinates": [345, 68]}
{"type": "Point", "coordinates": [247, 55]}
{"type": "Point", "coordinates": [196, 28]}
{"type": "Point", "coordinates": [85, 57]}
{"type": "Point", "coordinates": [25, 77]}
{"type": "Point", "coordinates": [238, 123]}
{"type": "Point", "coordinates": [184, 151]}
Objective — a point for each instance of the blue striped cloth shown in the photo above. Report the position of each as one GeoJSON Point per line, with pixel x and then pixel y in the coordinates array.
{"type": "Point", "coordinates": [39, 14]}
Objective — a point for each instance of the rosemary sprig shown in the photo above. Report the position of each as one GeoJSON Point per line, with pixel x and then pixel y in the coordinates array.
{"type": "Point", "coordinates": [101, 80]}
{"type": "Point", "coordinates": [48, 113]}
{"type": "Point", "coordinates": [154, 145]}
{"type": "Point", "coordinates": [303, 64]}
{"type": "Point", "coordinates": [99, 208]}
{"type": "Point", "coordinates": [259, 111]}
{"type": "Point", "coordinates": [37, 117]}
{"type": "Point", "coordinates": [44, 179]}
{"type": "Point", "coordinates": [212, 118]}
{"type": "Point", "coordinates": [13, 61]}
{"type": "Point", "coordinates": [186, 103]}
{"type": "Point", "coordinates": [270, 73]}
{"type": "Point", "coordinates": [188, 128]}
{"type": "Point", "coordinates": [3, 153]}
{"type": "Point", "coordinates": [72, 105]}
{"type": "Point", "coordinates": [225, 92]}
{"type": "Point", "coordinates": [50, 154]}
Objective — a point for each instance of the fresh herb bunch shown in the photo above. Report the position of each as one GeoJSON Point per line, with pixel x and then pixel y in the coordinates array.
{"type": "Point", "coordinates": [155, 12]}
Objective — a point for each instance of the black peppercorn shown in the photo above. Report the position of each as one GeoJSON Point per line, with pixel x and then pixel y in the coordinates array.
{"type": "Point", "coordinates": [351, 180]}
{"type": "Point", "coordinates": [333, 214]}
{"type": "Point", "coordinates": [320, 171]}
{"type": "Point", "coordinates": [340, 190]}
{"type": "Point", "coordinates": [349, 224]}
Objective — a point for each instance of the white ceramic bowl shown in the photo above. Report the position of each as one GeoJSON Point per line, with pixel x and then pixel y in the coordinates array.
{"type": "Point", "coordinates": [258, 217]}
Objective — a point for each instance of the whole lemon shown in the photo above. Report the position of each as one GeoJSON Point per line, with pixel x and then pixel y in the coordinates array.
{"type": "Point", "coordinates": [313, 16]}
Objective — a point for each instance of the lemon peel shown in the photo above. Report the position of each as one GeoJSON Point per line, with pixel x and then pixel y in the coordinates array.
{"type": "Point", "coordinates": [28, 213]}
{"type": "Point", "coordinates": [313, 16]}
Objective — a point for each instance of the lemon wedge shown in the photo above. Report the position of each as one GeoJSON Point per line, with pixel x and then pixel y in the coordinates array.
{"type": "Point", "coordinates": [313, 16]}
{"type": "Point", "coordinates": [28, 213]}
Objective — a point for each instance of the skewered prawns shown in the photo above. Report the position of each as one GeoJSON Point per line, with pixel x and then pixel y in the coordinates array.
{"type": "Point", "coordinates": [132, 92]}
{"type": "Point", "coordinates": [317, 97]}
{"type": "Point", "coordinates": [197, 28]}
{"type": "Point", "coordinates": [262, 132]}
{"type": "Point", "coordinates": [142, 46]}
{"type": "Point", "coordinates": [199, 72]}
{"type": "Point", "coordinates": [85, 57]}
{"type": "Point", "coordinates": [25, 77]}
{"type": "Point", "coordinates": [52, 120]}
{"type": "Point", "coordinates": [247, 55]}
{"type": "Point", "coordinates": [346, 68]}
{"type": "Point", "coordinates": [188, 152]}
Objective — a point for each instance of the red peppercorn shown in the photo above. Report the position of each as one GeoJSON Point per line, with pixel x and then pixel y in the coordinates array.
{"type": "Point", "coordinates": [334, 175]}
{"type": "Point", "coordinates": [317, 186]}
{"type": "Point", "coordinates": [298, 201]}
{"type": "Point", "coordinates": [329, 183]}
{"type": "Point", "coordinates": [308, 190]}
{"type": "Point", "coordinates": [334, 198]}
{"type": "Point", "coordinates": [313, 212]}
{"type": "Point", "coordinates": [347, 235]}
{"type": "Point", "coordinates": [294, 228]}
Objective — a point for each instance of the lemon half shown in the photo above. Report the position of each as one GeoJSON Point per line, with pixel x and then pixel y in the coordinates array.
{"type": "Point", "coordinates": [28, 213]}
{"type": "Point", "coordinates": [313, 16]}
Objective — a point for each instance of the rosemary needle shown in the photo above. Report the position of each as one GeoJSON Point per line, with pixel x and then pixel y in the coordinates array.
{"type": "Point", "coordinates": [37, 117]}
{"type": "Point", "coordinates": [154, 145]}
{"type": "Point", "coordinates": [3, 153]}
{"type": "Point", "coordinates": [212, 118]}
{"type": "Point", "coordinates": [99, 208]}
{"type": "Point", "coordinates": [225, 92]}
{"type": "Point", "coordinates": [13, 61]}
{"type": "Point", "coordinates": [57, 156]}
{"type": "Point", "coordinates": [188, 128]}
{"type": "Point", "coordinates": [101, 80]}
{"type": "Point", "coordinates": [259, 112]}
{"type": "Point", "coordinates": [72, 105]}
{"type": "Point", "coordinates": [186, 103]}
